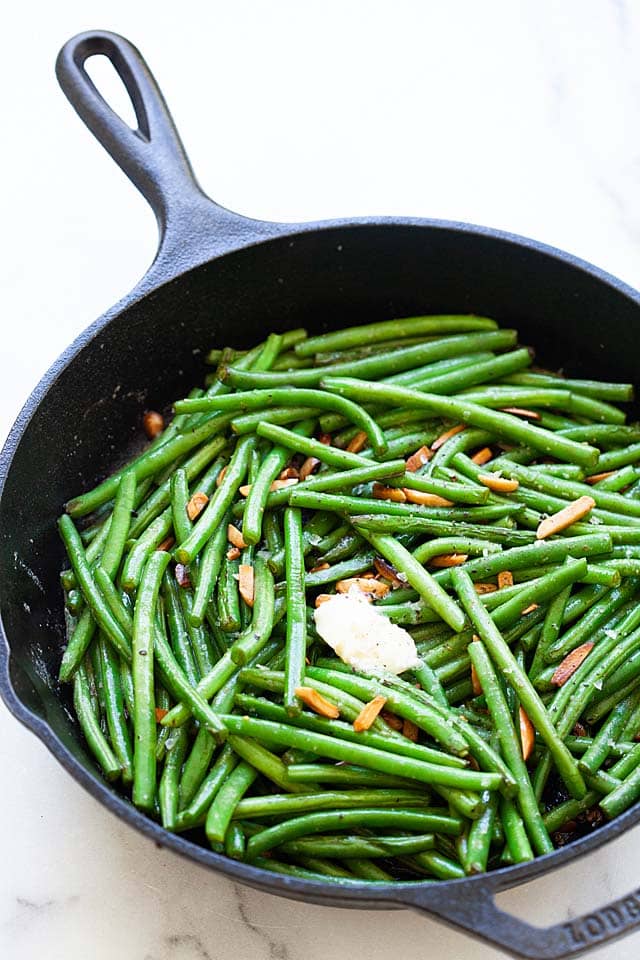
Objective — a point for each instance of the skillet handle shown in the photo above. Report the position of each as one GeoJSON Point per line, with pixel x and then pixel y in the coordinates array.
{"type": "Point", "coordinates": [473, 908]}
{"type": "Point", "coordinates": [192, 227]}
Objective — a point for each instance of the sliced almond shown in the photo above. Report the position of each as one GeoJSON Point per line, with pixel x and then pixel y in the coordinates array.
{"type": "Point", "coordinates": [234, 536]}
{"type": "Point", "coordinates": [449, 560]}
{"type": "Point", "coordinates": [505, 579]}
{"type": "Point", "coordinates": [571, 662]}
{"type": "Point", "coordinates": [410, 730]}
{"type": "Point", "coordinates": [482, 456]}
{"type": "Point", "coordinates": [498, 484]}
{"type": "Point", "coordinates": [182, 575]}
{"type": "Point", "coordinates": [527, 735]}
{"type": "Point", "coordinates": [310, 465]}
{"type": "Point", "coordinates": [564, 518]}
{"type": "Point", "coordinates": [245, 583]}
{"type": "Point", "coordinates": [316, 702]}
{"type": "Point", "coordinates": [419, 459]}
{"type": "Point", "coordinates": [323, 597]}
{"type": "Point", "coordinates": [319, 567]}
{"type": "Point", "coordinates": [220, 476]}
{"type": "Point", "coordinates": [160, 714]}
{"type": "Point", "coordinates": [476, 686]}
{"type": "Point", "coordinates": [196, 504]}
{"type": "Point", "coordinates": [245, 489]}
{"type": "Point", "coordinates": [325, 438]}
{"type": "Point", "coordinates": [481, 588]}
{"type": "Point", "coordinates": [597, 477]}
{"type": "Point", "coordinates": [437, 443]}
{"type": "Point", "coordinates": [357, 443]}
{"type": "Point", "coordinates": [369, 713]}
{"type": "Point", "coordinates": [166, 544]}
{"type": "Point", "coordinates": [522, 412]}
{"type": "Point", "coordinates": [391, 720]}
{"type": "Point", "coordinates": [389, 493]}
{"type": "Point", "coordinates": [426, 499]}
{"type": "Point", "coordinates": [289, 473]}
{"type": "Point", "coordinates": [233, 553]}
{"type": "Point", "coordinates": [388, 572]}
{"type": "Point", "coordinates": [368, 585]}
{"type": "Point", "coordinates": [530, 609]}
{"type": "Point", "coordinates": [153, 424]}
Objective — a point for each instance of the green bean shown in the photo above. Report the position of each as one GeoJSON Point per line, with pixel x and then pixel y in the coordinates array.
{"type": "Point", "coordinates": [573, 403]}
{"type": "Point", "coordinates": [114, 709]}
{"type": "Point", "coordinates": [268, 764]}
{"type": "Point", "coordinates": [119, 524]}
{"type": "Point", "coordinates": [614, 392]}
{"type": "Point", "coordinates": [518, 680]}
{"type": "Point", "coordinates": [346, 847]}
{"type": "Point", "coordinates": [442, 528]}
{"type": "Point", "coordinates": [168, 788]}
{"type": "Point", "coordinates": [228, 597]}
{"type": "Point", "coordinates": [626, 793]}
{"type": "Point", "coordinates": [383, 364]}
{"type": "Point", "coordinates": [556, 818]}
{"type": "Point", "coordinates": [550, 630]}
{"type": "Point", "coordinates": [92, 596]}
{"type": "Point", "coordinates": [144, 721]}
{"type": "Point", "coordinates": [514, 831]}
{"type": "Point", "coordinates": [342, 773]}
{"type": "Point", "coordinates": [179, 487]}
{"type": "Point", "coordinates": [235, 842]}
{"type": "Point", "coordinates": [597, 615]}
{"type": "Point", "coordinates": [261, 399]}
{"type": "Point", "coordinates": [478, 373]}
{"type": "Point", "coordinates": [77, 646]}
{"type": "Point", "coordinates": [302, 826]}
{"type": "Point", "coordinates": [226, 801]}
{"type": "Point", "coordinates": [480, 835]}
{"type": "Point", "coordinates": [213, 514]}
{"type": "Point", "coordinates": [180, 641]}
{"type": "Point", "coordinates": [501, 424]}
{"type": "Point", "coordinates": [208, 571]}
{"type": "Point", "coordinates": [195, 811]}
{"type": "Point", "coordinates": [609, 732]}
{"type": "Point", "coordinates": [365, 756]}
{"type": "Point", "coordinates": [430, 591]}
{"type": "Point", "coordinates": [248, 422]}
{"type": "Point", "coordinates": [372, 333]}
{"type": "Point", "coordinates": [614, 459]}
{"type": "Point", "coordinates": [90, 726]}
{"type": "Point", "coordinates": [296, 637]}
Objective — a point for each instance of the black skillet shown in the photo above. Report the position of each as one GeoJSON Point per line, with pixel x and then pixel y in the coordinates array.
{"type": "Point", "coordinates": [221, 278]}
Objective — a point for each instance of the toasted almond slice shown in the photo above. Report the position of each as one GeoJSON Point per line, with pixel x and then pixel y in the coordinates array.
{"type": "Point", "coordinates": [220, 477]}
{"type": "Point", "coordinates": [418, 459]}
{"type": "Point", "coordinates": [245, 583]}
{"type": "Point", "coordinates": [410, 730]}
{"type": "Point", "coordinates": [323, 597]}
{"type": "Point", "coordinates": [357, 443]}
{"type": "Point", "coordinates": [426, 499]}
{"type": "Point", "coordinates": [530, 609]}
{"type": "Point", "coordinates": [564, 518]}
{"type": "Point", "coordinates": [369, 713]}
{"type": "Point", "coordinates": [310, 465]}
{"type": "Point", "coordinates": [368, 575]}
{"type": "Point", "coordinates": [160, 714]}
{"type": "Point", "coordinates": [325, 438]}
{"type": "Point", "coordinates": [449, 560]}
{"type": "Point", "coordinates": [233, 553]}
{"type": "Point", "coordinates": [481, 588]}
{"type": "Point", "coordinates": [505, 579]}
{"type": "Point", "coordinates": [527, 735]}
{"type": "Point", "coordinates": [368, 585]}
{"type": "Point", "coordinates": [579, 730]}
{"type": "Point", "coordinates": [388, 572]}
{"type": "Point", "coordinates": [482, 456]}
{"type": "Point", "coordinates": [499, 484]}
{"type": "Point", "coordinates": [391, 720]}
{"type": "Point", "coordinates": [319, 566]}
{"type": "Point", "coordinates": [317, 702]}
{"type": "Point", "coordinates": [153, 424]}
{"type": "Point", "coordinates": [476, 686]}
{"type": "Point", "coordinates": [389, 493]}
{"type": "Point", "coordinates": [437, 443]}
{"type": "Point", "coordinates": [166, 544]}
{"type": "Point", "coordinates": [182, 575]}
{"type": "Point", "coordinates": [245, 490]}
{"type": "Point", "coordinates": [522, 412]}
{"type": "Point", "coordinates": [196, 504]}
{"type": "Point", "coordinates": [234, 536]}
{"type": "Point", "coordinates": [597, 477]}
{"type": "Point", "coordinates": [289, 473]}
{"type": "Point", "coordinates": [571, 663]}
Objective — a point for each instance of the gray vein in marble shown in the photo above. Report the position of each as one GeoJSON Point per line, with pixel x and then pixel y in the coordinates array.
{"type": "Point", "coordinates": [278, 949]}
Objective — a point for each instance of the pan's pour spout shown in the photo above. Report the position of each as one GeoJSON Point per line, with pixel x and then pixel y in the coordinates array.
{"type": "Point", "coordinates": [192, 227]}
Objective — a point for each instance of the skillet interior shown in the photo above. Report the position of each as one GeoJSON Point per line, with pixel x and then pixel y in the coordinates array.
{"type": "Point", "coordinates": [152, 352]}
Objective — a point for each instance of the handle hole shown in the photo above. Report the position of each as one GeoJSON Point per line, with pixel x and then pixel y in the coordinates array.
{"type": "Point", "coordinates": [106, 79]}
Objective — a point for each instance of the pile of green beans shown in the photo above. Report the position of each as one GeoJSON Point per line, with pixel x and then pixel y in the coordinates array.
{"type": "Point", "coordinates": [202, 687]}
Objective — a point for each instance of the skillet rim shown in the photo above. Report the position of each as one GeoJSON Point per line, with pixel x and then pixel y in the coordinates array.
{"type": "Point", "coordinates": [326, 892]}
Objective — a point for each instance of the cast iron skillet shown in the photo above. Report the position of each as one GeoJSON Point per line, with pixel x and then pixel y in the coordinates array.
{"type": "Point", "coordinates": [217, 278]}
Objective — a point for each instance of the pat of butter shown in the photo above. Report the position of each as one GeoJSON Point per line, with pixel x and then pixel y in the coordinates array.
{"type": "Point", "coordinates": [362, 636]}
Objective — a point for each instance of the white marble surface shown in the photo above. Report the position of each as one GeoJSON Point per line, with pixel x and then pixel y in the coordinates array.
{"type": "Point", "coordinates": [522, 114]}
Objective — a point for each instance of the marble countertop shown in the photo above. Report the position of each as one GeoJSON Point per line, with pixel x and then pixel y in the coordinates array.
{"type": "Point", "coordinates": [521, 114]}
